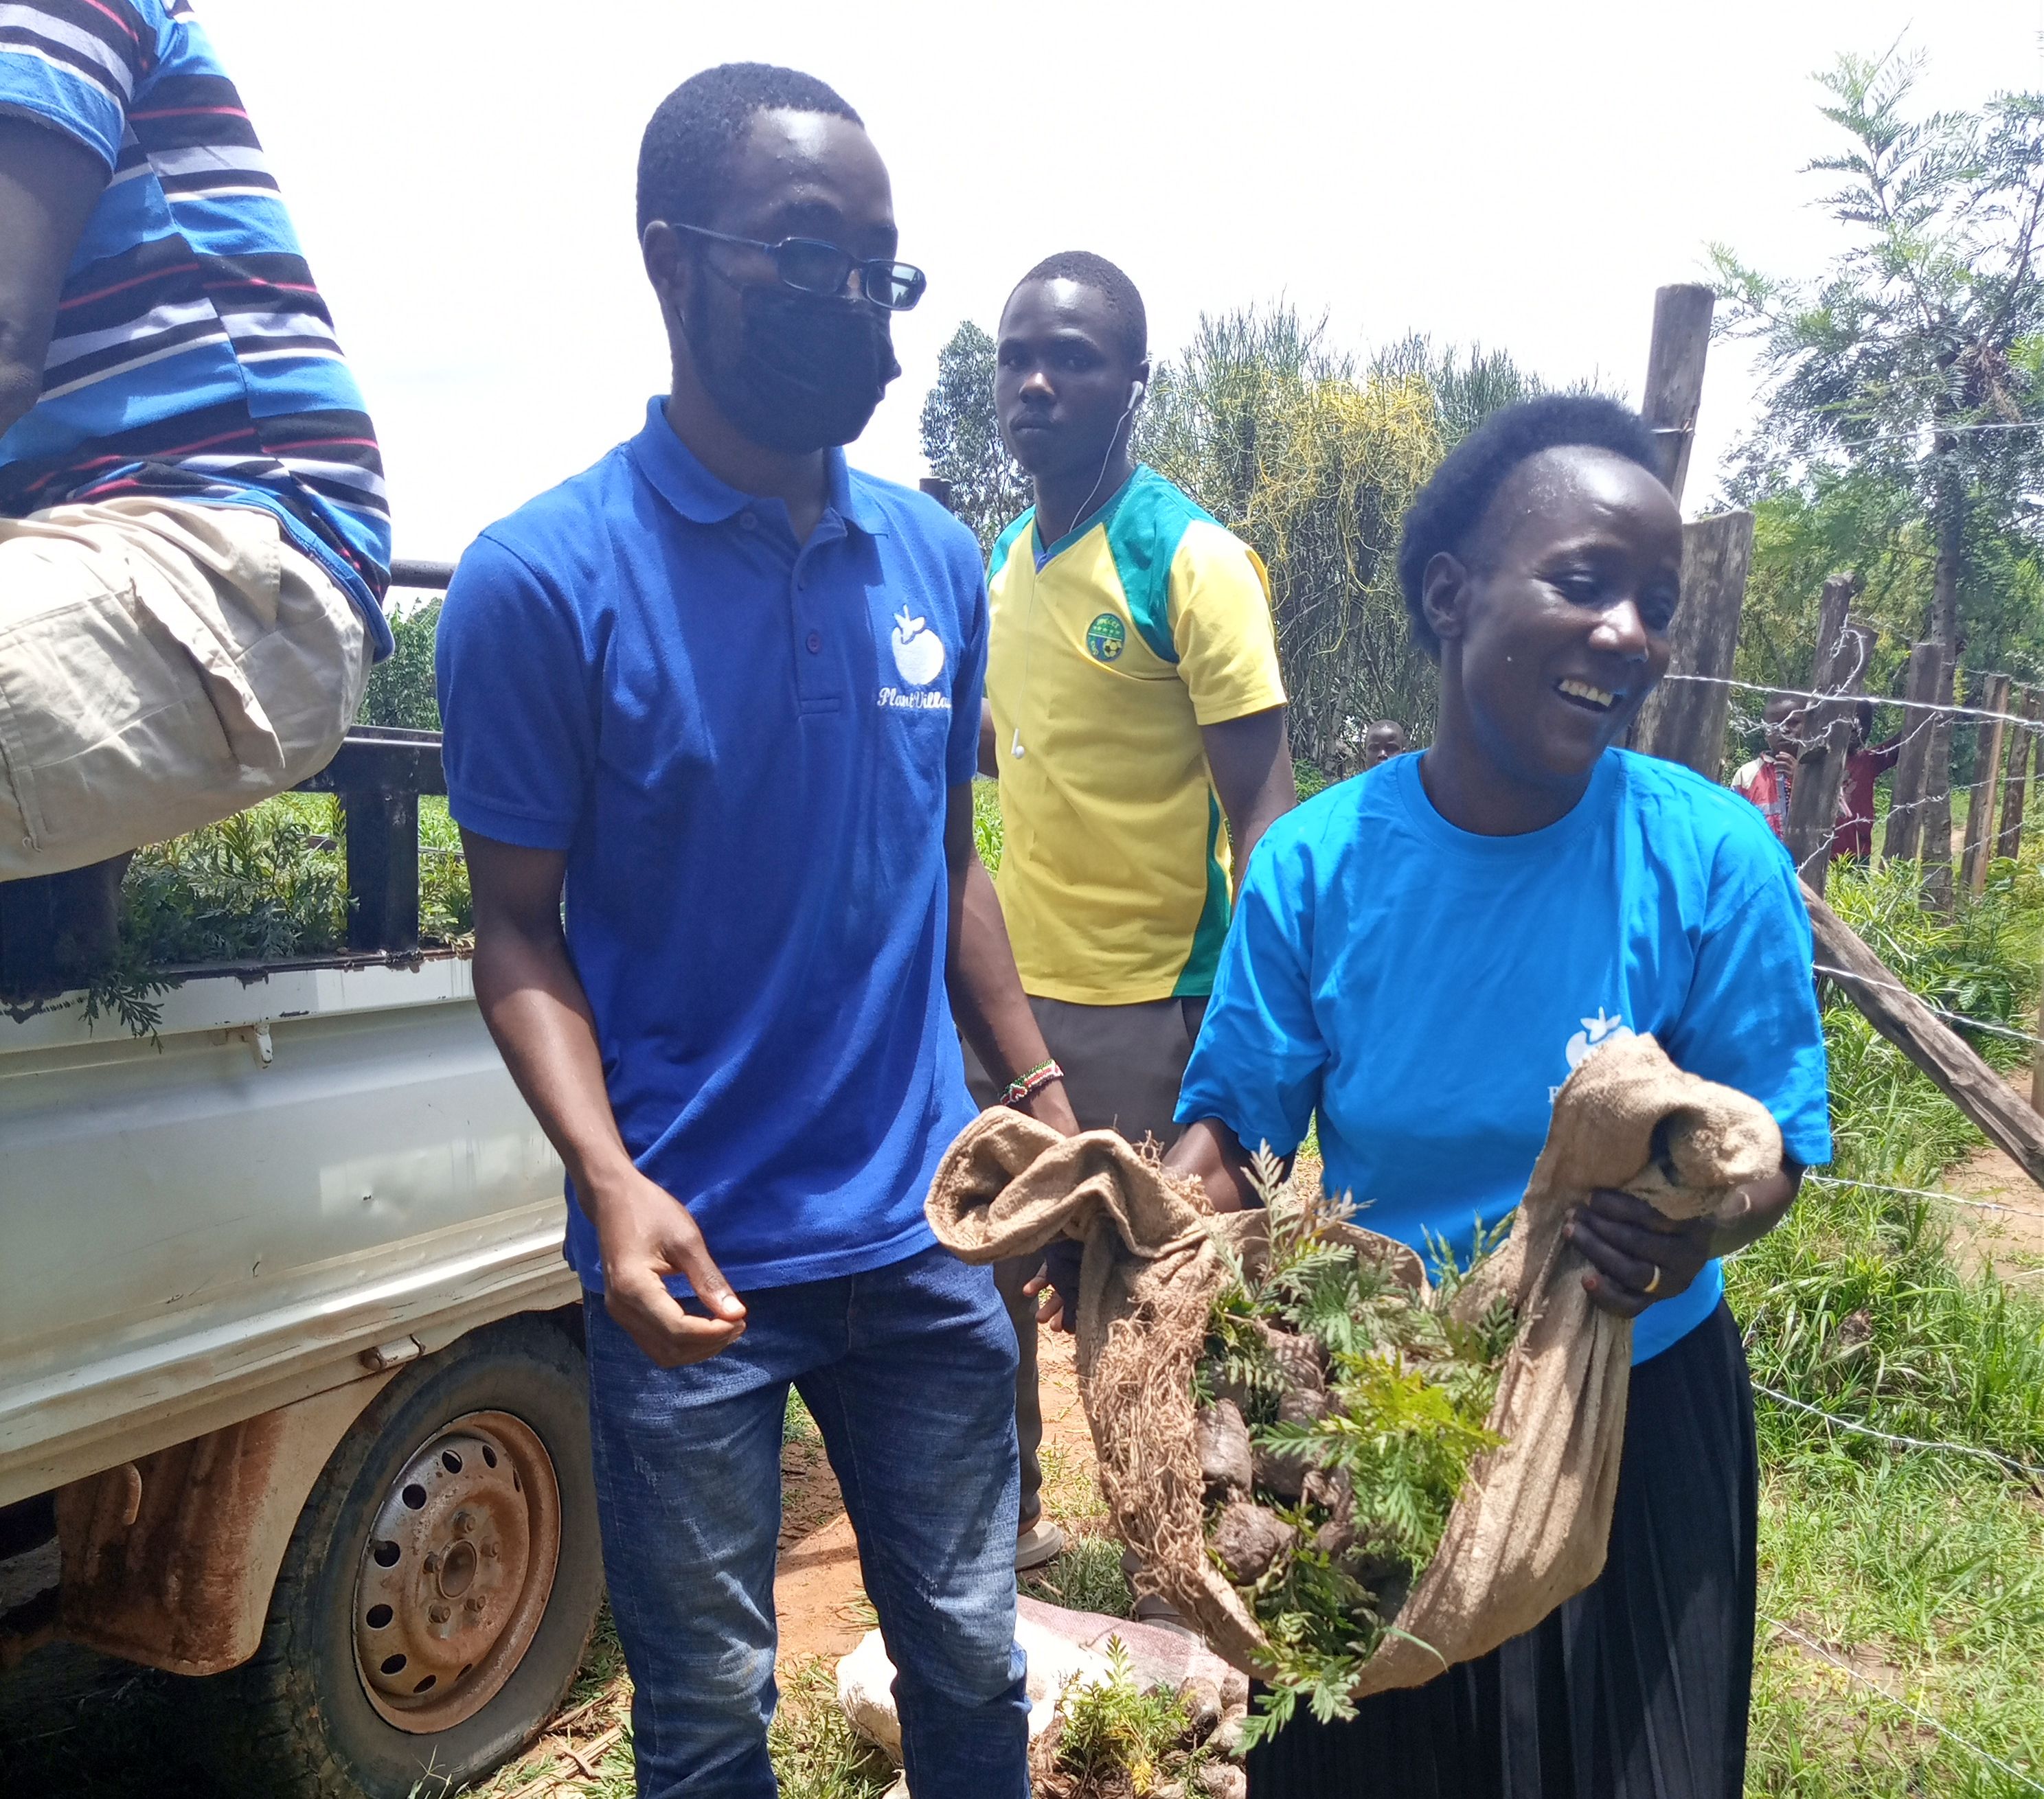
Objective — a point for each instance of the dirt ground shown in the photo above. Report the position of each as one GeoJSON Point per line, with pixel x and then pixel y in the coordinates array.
{"type": "Point", "coordinates": [2010, 1238]}
{"type": "Point", "coordinates": [79, 1722]}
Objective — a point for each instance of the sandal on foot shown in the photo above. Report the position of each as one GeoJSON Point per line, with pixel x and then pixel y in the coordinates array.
{"type": "Point", "coordinates": [1041, 1542]}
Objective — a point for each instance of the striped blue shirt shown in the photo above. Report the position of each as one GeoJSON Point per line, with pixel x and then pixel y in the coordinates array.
{"type": "Point", "coordinates": [192, 357]}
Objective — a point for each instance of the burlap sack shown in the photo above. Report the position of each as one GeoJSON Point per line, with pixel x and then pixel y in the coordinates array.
{"type": "Point", "coordinates": [1529, 1528]}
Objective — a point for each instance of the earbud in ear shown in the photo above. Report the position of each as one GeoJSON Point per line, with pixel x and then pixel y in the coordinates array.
{"type": "Point", "coordinates": [1136, 390]}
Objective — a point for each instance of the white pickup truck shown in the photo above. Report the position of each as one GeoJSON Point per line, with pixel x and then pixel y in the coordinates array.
{"type": "Point", "coordinates": [290, 1365]}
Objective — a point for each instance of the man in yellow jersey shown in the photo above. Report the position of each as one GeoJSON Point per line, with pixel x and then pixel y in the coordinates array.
{"type": "Point", "coordinates": [1134, 708]}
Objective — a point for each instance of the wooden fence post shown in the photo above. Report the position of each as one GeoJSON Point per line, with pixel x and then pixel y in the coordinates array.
{"type": "Point", "coordinates": [1684, 721]}
{"type": "Point", "coordinates": [1825, 736]}
{"type": "Point", "coordinates": [1905, 799]}
{"type": "Point", "coordinates": [1987, 773]}
{"type": "Point", "coordinates": [1935, 846]}
{"type": "Point", "coordinates": [2014, 769]}
{"type": "Point", "coordinates": [1675, 376]}
{"type": "Point", "coordinates": [1926, 1039]}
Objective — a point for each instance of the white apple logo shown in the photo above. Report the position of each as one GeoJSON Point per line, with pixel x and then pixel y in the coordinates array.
{"type": "Point", "coordinates": [1597, 1030]}
{"type": "Point", "coordinates": [919, 652]}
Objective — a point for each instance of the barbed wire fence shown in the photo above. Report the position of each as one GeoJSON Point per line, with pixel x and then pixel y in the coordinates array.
{"type": "Point", "coordinates": [2007, 742]}
{"type": "Point", "coordinates": [2005, 738]}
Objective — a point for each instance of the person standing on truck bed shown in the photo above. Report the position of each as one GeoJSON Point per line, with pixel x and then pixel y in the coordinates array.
{"type": "Point", "coordinates": [729, 690]}
{"type": "Point", "coordinates": [194, 541]}
{"type": "Point", "coordinates": [1134, 703]}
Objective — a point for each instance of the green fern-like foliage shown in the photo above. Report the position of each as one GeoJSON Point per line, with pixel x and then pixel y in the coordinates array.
{"type": "Point", "coordinates": [1118, 1738]}
{"type": "Point", "coordinates": [1409, 1390]}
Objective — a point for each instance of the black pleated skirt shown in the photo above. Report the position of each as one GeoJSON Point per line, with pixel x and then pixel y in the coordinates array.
{"type": "Point", "coordinates": [1635, 1688]}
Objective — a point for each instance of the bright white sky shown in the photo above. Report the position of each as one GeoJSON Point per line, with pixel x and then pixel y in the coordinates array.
{"type": "Point", "coordinates": [1525, 175]}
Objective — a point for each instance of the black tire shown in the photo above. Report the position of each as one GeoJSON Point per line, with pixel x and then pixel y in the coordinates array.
{"type": "Point", "coordinates": [296, 1721]}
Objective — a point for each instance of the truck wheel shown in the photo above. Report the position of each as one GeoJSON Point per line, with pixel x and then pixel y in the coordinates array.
{"type": "Point", "coordinates": [439, 1589]}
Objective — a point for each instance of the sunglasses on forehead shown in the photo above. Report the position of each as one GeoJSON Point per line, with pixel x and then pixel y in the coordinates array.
{"type": "Point", "coordinates": [810, 266]}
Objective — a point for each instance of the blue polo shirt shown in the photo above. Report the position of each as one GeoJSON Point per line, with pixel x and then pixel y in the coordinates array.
{"type": "Point", "coordinates": [744, 744]}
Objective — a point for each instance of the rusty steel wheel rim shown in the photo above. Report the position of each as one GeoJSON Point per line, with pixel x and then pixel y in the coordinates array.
{"type": "Point", "coordinates": [455, 1578]}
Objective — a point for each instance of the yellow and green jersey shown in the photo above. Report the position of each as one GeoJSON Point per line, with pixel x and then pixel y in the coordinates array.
{"type": "Point", "coordinates": [1107, 651]}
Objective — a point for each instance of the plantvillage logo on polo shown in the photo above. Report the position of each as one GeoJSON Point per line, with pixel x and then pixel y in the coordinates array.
{"type": "Point", "coordinates": [1595, 1031]}
{"type": "Point", "coordinates": [918, 654]}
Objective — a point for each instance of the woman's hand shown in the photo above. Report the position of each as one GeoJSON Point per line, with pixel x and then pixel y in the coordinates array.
{"type": "Point", "coordinates": [1638, 1257]}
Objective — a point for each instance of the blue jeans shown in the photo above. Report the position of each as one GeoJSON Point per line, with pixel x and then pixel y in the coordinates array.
{"type": "Point", "coordinates": [909, 1372]}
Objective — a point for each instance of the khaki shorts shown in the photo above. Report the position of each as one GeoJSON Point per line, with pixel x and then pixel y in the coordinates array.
{"type": "Point", "coordinates": [162, 666]}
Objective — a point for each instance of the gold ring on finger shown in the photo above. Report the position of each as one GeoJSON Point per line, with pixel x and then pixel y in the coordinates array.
{"type": "Point", "coordinates": [1654, 1286]}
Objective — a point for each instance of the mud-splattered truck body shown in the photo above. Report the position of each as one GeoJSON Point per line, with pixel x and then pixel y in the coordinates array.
{"type": "Point", "coordinates": [291, 1393]}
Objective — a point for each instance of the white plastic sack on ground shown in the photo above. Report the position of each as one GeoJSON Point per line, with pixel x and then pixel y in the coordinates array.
{"type": "Point", "coordinates": [1061, 1647]}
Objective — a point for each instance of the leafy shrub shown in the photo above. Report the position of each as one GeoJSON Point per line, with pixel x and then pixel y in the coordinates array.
{"type": "Point", "coordinates": [402, 695]}
{"type": "Point", "coordinates": [1117, 1739]}
{"type": "Point", "coordinates": [1365, 1407]}
{"type": "Point", "coordinates": [265, 885]}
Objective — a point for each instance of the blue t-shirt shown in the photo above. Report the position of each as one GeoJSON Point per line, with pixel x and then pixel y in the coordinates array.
{"type": "Point", "coordinates": [1426, 990]}
{"type": "Point", "coordinates": [745, 745]}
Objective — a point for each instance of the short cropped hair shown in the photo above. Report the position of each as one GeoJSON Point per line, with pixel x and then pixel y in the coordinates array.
{"type": "Point", "coordinates": [685, 157]}
{"type": "Point", "coordinates": [1449, 509]}
{"type": "Point", "coordinates": [1124, 304]}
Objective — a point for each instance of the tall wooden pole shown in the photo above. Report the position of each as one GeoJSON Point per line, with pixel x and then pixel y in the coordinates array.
{"type": "Point", "coordinates": [2014, 768]}
{"type": "Point", "coordinates": [1675, 375]}
{"type": "Point", "coordinates": [1905, 800]}
{"type": "Point", "coordinates": [1936, 845]}
{"type": "Point", "coordinates": [1684, 721]}
{"type": "Point", "coordinates": [1926, 1039]}
{"type": "Point", "coordinates": [1825, 737]}
{"type": "Point", "coordinates": [1987, 778]}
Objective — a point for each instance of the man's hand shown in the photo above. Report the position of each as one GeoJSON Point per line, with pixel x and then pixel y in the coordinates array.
{"type": "Point", "coordinates": [1051, 1105]}
{"type": "Point", "coordinates": [1638, 1258]}
{"type": "Point", "coordinates": [1056, 1286]}
{"type": "Point", "coordinates": [646, 1235]}
{"type": "Point", "coordinates": [533, 1003]}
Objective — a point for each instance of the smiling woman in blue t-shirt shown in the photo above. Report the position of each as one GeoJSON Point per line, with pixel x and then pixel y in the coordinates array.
{"type": "Point", "coordinates": [1420, 957]}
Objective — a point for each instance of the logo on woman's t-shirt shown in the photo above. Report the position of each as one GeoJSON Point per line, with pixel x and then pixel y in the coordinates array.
{"type": "Point", "coordinates": [1599, 1030]}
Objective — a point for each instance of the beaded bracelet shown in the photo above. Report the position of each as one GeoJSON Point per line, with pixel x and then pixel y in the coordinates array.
{"type": "Point", "coordinates": [1025, 1087]}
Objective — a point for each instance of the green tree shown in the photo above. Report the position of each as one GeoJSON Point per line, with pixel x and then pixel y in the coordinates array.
{"type": "Point", "coordinates": [1467, 385]}
{"type": "Point", "coordinates": [1314, 460]}
{"type": "Point", "coordinates": [962, 437]}
{"type": "Point", "coordinates": [1914, 362]}
{"type": "Point", "coordinates": [400, 693]}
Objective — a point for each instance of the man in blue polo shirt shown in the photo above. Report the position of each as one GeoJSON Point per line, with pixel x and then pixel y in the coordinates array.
{"type": "Point", "coordinates": [726, 693]}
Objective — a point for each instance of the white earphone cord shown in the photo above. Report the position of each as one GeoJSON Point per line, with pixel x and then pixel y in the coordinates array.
{"type": "Point", "coordinates": [1136, 390]}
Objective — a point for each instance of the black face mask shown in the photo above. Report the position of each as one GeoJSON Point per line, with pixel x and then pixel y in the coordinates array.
{"type": "Point", "coordinates": [806, 372]}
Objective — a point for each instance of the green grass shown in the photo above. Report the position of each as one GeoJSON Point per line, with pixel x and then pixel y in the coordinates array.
{"type": "Point", "coordinates": [1086, 1578]}
{"type": "Point", "coordinates": [1922, 1571]}
{"type": "Point", "coordinates": [816, 1753]}
{"type": "Point", "coordinates": [1926, 1576]}
{"type": "Point", "coordinates": [986, 822]}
